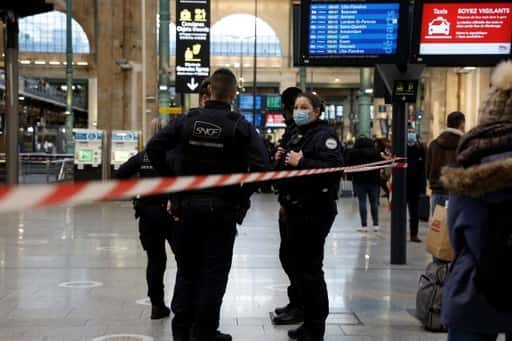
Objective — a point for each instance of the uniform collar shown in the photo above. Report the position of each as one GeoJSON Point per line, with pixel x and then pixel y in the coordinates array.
{"type": "Point", "coordinates": [217, 105]}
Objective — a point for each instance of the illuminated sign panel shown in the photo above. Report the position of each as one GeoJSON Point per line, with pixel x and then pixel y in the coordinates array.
{"type": "Point", "coordinates": [192, 44]}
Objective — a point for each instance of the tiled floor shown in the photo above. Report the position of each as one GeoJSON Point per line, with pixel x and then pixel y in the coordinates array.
{"type": "Point", "coordinates": [39, 250]}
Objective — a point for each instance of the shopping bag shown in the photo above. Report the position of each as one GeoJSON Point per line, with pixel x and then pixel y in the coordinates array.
{"type": "Point", "coordinates": [438, 239]}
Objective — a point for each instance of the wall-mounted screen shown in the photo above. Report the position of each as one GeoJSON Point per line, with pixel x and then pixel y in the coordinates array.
{"type": "Point", "coordinates": [246, 102]}
{"type": "Point", "coordinates": [275, 120]}
{"type": "Point", "coordinates": [258, 122]}
{"type": "Point", "coordinates": [273, 102]}
{"type": "Point", "coordinates": [353, 32]}
{"type": "Point", "coordinates": [85, 155]}
{"type": "Point", "coordinates": [463, 33]}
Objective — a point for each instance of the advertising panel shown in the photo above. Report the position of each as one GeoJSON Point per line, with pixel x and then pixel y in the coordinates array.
{"type": "Point", "coordinates": [192, 44]}
{"type": "Point", "coordinates": [466, 29]}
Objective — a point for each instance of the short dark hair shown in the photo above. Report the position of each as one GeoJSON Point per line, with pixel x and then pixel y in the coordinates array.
{"type": "Point", "coordinates": [455, 119]}
{"type": "Point", "coordinates": [204, 89]}
{"type": "Point", "coordinates": [315, 100]}
{"type": "Point", "coordinates": [289, 96]}
{"type": "Point", "coordinates": [222, 83]}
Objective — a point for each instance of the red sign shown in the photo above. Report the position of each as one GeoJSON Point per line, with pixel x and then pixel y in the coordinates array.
{"type": "Point", "coordinates": [275, 120]}
{"type": "Point", "coordinates": [466, 29]}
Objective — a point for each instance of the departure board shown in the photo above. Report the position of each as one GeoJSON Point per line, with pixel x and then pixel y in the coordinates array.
{"type": "Point", "coordinates": [352, 29]}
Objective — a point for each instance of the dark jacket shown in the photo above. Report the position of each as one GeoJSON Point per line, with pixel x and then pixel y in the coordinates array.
{"type": "Point", "coordinates": [364, 151]}
{"type": "Point", "coordinates": [178, 134]}
{"type": "Point", "coordinates": [140, 166]}
{"type": "Point", "coordinates": [483, 177]}
{"type": "Point", "coordinates": [321, 149]}
{"type": "Point", "coordinates": [441, 153]}
{"type": "Point", "coordinates": [416, 182]}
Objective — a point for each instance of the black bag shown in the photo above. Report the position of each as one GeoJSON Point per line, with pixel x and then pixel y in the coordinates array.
{"type": "Point", "coordinates": [430, 295]}
{"type": "Point", "coordinates": [493, 271]}
{"type": "Point", "coordinates": [424, 208]}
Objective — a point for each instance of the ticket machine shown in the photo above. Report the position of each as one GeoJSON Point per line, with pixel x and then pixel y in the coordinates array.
{"type": "Point", "coordinates": [88, 154]}
{"type": "Point", "coordinates": [125, 144]}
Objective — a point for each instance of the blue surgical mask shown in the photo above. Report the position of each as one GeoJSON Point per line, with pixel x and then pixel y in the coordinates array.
{"type": "Point", "coordinates": [301, 117]}
{"type": "Point", "coordinates": [411, 137]}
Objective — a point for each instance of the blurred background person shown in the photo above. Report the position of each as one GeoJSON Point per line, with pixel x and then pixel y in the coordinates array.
{"type": "Point", "coordinates": [366, 184]}
{"type": "Point", "coordinates": [416, 182]}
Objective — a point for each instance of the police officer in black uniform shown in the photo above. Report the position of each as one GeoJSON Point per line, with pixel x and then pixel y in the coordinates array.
{"type": "Point", "coordinates": [154, 227]}
{"type": "Point", "coordinates": [293, 312]}
{"type": "Point", "coordinates": [213, 140]}
{"type": "Point", "coordinates": [310, 207]}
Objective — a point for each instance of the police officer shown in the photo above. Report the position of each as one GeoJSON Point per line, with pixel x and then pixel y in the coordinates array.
{"type": "Point", "coordinates": [293, 312]}
{"type": "Point", "coordinates": [154, 228]}
{"type": "Point", "coordinates": [310, 207]}
{"type": "Point", "coordinates": [212, 140]}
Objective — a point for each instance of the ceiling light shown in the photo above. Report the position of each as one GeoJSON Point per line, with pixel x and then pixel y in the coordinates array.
{"type": "Point", "coordinates": [82, 63]}
{"type": "Point", "coordinates": [40, 62]}
{"type": "Point", "coordinates": [25, 62]}
{"type": "Point", "coordinates": [54, 62]}
{"type": "Point", "coordinates": [368, 91]}
{"type": "Point", "coordinates": [163, 88]}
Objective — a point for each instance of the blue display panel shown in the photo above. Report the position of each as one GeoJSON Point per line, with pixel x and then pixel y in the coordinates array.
{"type": "Point", "coordinates": [246, 102]}
{"type": "Point", "coordinates": [249, 118]}
{"type": "Point", "coordinates": [353, 29]}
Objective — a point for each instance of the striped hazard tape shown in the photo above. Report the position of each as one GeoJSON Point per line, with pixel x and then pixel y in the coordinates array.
{"type": "Point", "coordinates": [17, 198]}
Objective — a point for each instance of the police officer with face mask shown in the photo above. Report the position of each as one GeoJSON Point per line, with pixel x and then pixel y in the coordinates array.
{"type": "Point", "coordinates": [310, 207]}
{"type": "Point", "coordinates": [213, 140]}
{"type": "Point", "coordinates": [155, 227]}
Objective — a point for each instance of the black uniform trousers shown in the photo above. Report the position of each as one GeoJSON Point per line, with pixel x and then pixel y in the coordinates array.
{"type": "Point", "coordinates": [204, 251]}
{"type": "Point", "coordinates": [286, 258]}
{"type": "Point", "coordinates": [307, 230]}
{"type": "Point", "coordinates": [155, 227]}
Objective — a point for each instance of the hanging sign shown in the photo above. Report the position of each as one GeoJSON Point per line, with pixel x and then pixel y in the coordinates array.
{"type": "Point", "coordinates": [192, 44]}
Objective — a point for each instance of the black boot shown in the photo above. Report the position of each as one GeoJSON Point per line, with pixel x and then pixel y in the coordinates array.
{"type": "Point", "coordinates": [281, 310]}
{"type": "Point", "coordinates": [159, 311]}
{"type": "Point", "coordinates": [290, 316]}
{"type": "Point", "coordinates": [222, 337]}
{"type": "Point", "coordinates": [296, 333]}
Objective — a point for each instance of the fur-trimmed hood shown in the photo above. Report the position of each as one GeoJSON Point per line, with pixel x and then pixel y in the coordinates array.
{"type": "Point", "coordinates": [479, 180]}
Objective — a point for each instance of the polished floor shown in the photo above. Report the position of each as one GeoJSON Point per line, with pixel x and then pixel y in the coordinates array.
{"type": "Point", "coordinates": [71, 274]}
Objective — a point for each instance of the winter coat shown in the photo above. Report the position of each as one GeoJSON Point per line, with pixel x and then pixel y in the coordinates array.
{"type": "Point", "coordinates": [441, 153]}
{"type": "Point", "coordinates": [483, 177]}
{"type": "Point", "coordinates": [364, 151]}
{"type": "Point", "coordinates": [416, 182]}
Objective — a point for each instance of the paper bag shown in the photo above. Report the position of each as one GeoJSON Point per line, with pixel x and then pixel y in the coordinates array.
{"type": "Point", "coordinates": [438, 239]}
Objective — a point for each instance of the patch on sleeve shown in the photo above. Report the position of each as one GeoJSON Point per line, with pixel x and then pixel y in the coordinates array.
{"type": "Point", "coordinates": [331, 143]}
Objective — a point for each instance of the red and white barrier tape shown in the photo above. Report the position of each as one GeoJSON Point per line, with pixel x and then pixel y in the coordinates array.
{"type": "Point", "coordinates": [17, 198]}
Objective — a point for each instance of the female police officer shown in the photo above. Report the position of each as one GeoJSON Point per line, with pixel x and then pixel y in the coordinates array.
{"type": "Point", "coordinates": [310, 205]}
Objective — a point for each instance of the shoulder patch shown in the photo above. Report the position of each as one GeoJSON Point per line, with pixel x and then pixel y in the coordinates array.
{"type": "Point", "coordinates": [331, 143]}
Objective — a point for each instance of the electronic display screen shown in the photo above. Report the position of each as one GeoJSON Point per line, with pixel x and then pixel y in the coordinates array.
{"type": "Point", "coordinates": [275, 120]}
{"type": "Point", "coordinates": [121, 155]}
{"type": "Point", "coordinates": [246, 102]}
{"type": "Point", "coordinates": [85, 155]}
{"type": "Point", "coordinates": [249, 118]}
{"type": "Point", "coordinates": [273, 102]}
{"type": "Point", "coordinates": [468, 33]}
{"type": "Point", "coordinates": [353, 29]}
{"type": "Point", "coordinates": [352, 32]}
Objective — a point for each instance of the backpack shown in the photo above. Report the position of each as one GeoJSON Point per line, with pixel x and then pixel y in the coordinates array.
{"type": "Point", "coordinates": [494, 271]}
{"type": "Point", "coordinates": [429, 296]}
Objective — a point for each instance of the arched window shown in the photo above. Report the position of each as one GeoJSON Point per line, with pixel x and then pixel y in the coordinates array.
{"type": "Point", "coordinates": [234, 36]}
{"type": "Point", "coordinates": [47, 33]}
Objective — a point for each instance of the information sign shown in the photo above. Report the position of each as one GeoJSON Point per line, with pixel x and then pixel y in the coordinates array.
{"type": "Point", "coordinates": [192, 44]}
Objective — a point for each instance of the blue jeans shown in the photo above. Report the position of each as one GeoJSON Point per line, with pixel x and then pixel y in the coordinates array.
{"type": "Point", "coordinates": [438, 199]}
{"type": "Point", "coordinates": [461, 335]}
{"type": "Point", "coordinates": [372, 192]}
